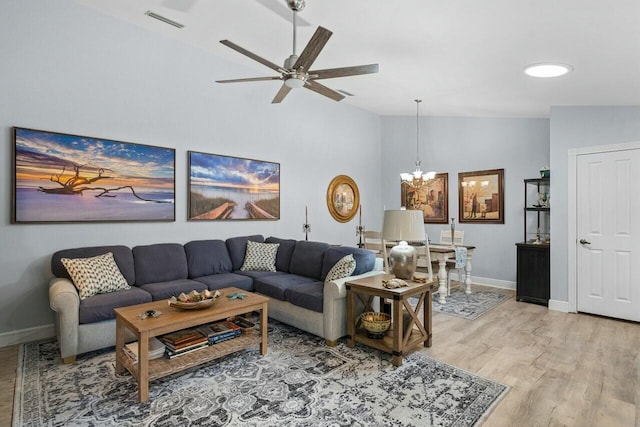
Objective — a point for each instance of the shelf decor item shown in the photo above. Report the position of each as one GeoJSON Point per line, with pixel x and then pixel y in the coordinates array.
{"type": "Point", "coordinates": [545, 172]}
{"type": "Point", "coordinates": [72, 178]}
{"type": "Point", "coordinates": [375, 323]}
{"type": "Point", "coordinates": [343, 198]}
{"type": "Point", "coordinates": [481, 196]}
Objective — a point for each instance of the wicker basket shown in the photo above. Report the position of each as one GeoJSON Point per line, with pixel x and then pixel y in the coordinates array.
{"type": "Point", "coordinates": [375, 323]}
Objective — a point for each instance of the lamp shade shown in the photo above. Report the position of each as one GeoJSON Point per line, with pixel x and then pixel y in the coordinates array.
{"type": "Point", "coordinates": [407, 225]}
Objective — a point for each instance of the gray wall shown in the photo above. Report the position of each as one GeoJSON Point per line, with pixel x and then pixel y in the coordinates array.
{"type": "Point", "coordinates": [453, 145]}
{"type": "Point", "coordinates": [576, 127]}
{"type": "Point", "coordinates": [69, 69]}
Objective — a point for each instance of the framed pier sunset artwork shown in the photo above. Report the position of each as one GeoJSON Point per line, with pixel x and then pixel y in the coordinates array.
{"type": "Point", "coordinates": [232, 188]}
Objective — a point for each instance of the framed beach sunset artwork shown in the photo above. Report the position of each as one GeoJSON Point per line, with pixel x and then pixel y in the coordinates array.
{"type": "Point", "coordinates": [72, 178]}
{"type": "Point", "coordinates": [232, 188]}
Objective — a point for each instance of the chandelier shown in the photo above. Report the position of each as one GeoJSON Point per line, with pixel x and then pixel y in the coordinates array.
{"type": "Point", "coordinates": [417, 178]}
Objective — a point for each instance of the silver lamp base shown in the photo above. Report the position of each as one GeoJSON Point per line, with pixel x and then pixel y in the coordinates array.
{"type": "Point", "coordinates": [403, 260]}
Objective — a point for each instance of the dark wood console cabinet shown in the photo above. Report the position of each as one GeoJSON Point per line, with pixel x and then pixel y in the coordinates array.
{"type": "Point", "coordinates": [533, 278]}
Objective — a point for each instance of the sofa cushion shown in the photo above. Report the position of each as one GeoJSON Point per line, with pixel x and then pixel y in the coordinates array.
{"type": "Point", "coordinates": [308, 295]}
{"type": "Point", "coordinates": [285, 250]}
{"type": "Point", "coordinates": [122, 255]}
{"type": "Point", "coordinates": [100, 307]}
{"type": "Point", "coordinates": [307, 258]}
{"type": "Point", "coordinates": [206, 257]}
{"type": "Point", "coordinates": [95, 275]}
{"type": "Point", "coordinates": [237, 247]}
{"type": "Point", "coordinates": [277, 286]}
{"type": "Point", "coordinates": [258, 274]}
{"type": "Point", "coordinates": [260, 256]}
{"type": "Point", "coordinates": [343, 268]}
{"type": "Point", "coordinates": [365, 260]}
{"type": "Point", "coordinates": [162, 262]}
{"type": "Point", "coordinates": [164, 290]}
{"type": "Point", "coordinates": [225, 280]}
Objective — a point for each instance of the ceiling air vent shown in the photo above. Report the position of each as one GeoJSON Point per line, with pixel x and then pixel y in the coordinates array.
{"type": "Point", "coordinates": [163, 19]}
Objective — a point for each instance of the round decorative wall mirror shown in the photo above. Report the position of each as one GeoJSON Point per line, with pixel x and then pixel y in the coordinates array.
{"type": "Point", "coordinates": [343, 198]}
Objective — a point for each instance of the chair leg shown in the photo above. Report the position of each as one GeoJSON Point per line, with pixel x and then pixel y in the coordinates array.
{"type": "Point", "coordinates": [70, 359]}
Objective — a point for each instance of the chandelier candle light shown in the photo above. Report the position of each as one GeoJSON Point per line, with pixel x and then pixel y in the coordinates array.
{"type": "Point", "coordinates": [417, 178]}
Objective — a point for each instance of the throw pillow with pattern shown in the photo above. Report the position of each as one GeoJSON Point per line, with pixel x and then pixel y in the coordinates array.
{"type": "Point", "coordinates": [95, 275]}
{"type": "Point", "coordinates": [341, 269]}
{"type": "Point", "coordinates": [260, 256]}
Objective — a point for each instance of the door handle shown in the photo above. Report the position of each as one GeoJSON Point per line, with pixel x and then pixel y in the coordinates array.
{"type": "Point", "coordinates": [584, 242]}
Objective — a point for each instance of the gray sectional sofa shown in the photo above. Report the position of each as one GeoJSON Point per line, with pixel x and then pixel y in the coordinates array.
{"type": "Point", "coordinates": [297, 291]}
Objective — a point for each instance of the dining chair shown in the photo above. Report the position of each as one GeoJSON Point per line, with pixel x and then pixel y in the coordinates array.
{"type": "Point", "coordinates": [373, 242]}
{"type": "Point", "coordinates": [445, 237]}
{"type": "Point", "coordinates": [458, 240]}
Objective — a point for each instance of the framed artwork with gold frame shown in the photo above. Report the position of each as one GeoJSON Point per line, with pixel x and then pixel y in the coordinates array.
{"type": "Point", "coordinates": [432, 199]}
{"type": "Point", "coordinates": [481, 196]}
{"type": "Point", "coordinates": [343, 198]}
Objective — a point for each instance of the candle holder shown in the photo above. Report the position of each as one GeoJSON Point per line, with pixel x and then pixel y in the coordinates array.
{"type": "Point", "coordinates": [360, 233]}
{"type": "Point", "coordinates": [453, 231]}
{"type": "Point", "coordinates": [306, 229]}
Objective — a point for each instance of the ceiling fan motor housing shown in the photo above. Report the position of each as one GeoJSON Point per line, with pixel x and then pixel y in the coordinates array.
{"type": "Point", "coordinates": [296, 5]}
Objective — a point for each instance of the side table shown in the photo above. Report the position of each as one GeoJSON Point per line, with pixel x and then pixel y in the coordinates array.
{"type": "Point", "coordinates": [400, 339]}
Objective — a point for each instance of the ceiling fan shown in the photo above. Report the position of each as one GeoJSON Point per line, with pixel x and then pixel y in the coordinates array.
{"type": "Point", "coordinates": [296, 70]}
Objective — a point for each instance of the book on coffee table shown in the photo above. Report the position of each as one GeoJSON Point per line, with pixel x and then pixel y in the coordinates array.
{"type": "Point", "coordinates": [219, 331]}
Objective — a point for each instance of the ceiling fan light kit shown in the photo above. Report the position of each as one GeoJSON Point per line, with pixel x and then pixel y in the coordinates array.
{"type": "Point", "coordinates": [296, 71]}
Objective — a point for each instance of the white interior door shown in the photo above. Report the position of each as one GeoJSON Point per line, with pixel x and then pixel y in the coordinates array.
{"type": "Point", "coordinates": [608, 247]}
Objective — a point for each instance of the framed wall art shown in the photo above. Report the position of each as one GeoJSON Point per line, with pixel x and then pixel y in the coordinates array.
{"type": "Point", "coordinates": [432, 199]}
{"type": "Point", "coordinates": [71, 178]}
{"type": "Point", "coordinates": [481, 196]}
{"type": "Point", "coordinates": [343, 198]}
{"type": "Point", "coordinates": [232, 188]}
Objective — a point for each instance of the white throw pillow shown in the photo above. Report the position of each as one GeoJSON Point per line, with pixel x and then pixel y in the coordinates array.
{"type": "Point", "coordinates": [341, 269]}
{"type": "Point", "coordinates": [260, 256]}
{"type": "Point", "coordinates": [95, 275]}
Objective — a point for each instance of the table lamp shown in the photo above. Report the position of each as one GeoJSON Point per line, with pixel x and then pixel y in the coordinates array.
{"type": "Point", "coordinates": [403, 226]}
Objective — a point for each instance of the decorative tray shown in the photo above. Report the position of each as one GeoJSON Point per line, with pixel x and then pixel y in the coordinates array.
{"type": "Point", "coordinates": [194, 300]}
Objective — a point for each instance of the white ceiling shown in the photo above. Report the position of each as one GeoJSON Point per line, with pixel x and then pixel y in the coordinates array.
{"type": "Point", "coordinates": [462, 57]}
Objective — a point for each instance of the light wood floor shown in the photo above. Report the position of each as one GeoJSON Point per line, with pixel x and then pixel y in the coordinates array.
{"type": "Point", "coordinates": [563, 369]}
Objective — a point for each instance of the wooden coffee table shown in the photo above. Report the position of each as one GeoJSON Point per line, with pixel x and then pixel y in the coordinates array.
{"type": "Point", "coordinates": [174, 319]}
{"type": "Point", "coordinates": [400, 339]}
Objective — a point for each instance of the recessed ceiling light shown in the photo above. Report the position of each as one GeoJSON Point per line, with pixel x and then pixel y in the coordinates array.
{"type": "Point", "coordinates": [547, 70]}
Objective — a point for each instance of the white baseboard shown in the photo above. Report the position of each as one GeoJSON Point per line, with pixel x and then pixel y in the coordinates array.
{"type": "Point", "coordinates": [25, 335]}
{"type": "Point", "coordinates": [556, 305]}
{"type": "Point", "coordinates": [484, 281]}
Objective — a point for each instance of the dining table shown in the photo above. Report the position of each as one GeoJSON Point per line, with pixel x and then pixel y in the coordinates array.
{"type": "Point", "coordinates": [443, 254]}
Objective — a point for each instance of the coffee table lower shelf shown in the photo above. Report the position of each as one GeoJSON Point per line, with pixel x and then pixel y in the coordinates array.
{"type": "Point", "coordinates": [163, 366]}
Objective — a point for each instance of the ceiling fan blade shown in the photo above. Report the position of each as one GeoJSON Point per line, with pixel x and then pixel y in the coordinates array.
{"type": "Point", "coordinates": [331, 73]}
{"type": "Point", "coordinates": [250, 79]}
{"type": "Point", "coordinates": [251, 55]}
{"type": "Point", "coordinates": [313, 48]}
{"type": "Point", "coordinates": [323, 90]}
{"type": "Point", "coordinates": [284, 91]}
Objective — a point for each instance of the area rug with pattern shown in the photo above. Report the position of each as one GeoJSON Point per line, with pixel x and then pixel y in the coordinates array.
{"type": "Point", "coordinates": [470, 306]}
{"type": "Point", "coordinates": [300, 382]}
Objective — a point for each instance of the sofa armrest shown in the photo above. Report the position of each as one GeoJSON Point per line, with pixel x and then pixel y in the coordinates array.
{"type": "Point", "coordinates": [337, 289]}
{"type": "Point", "coordinates": [65, 301]}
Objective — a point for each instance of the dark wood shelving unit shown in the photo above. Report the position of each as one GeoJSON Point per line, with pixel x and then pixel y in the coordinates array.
{"type": "Point", "coordinates": [533, 255]}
